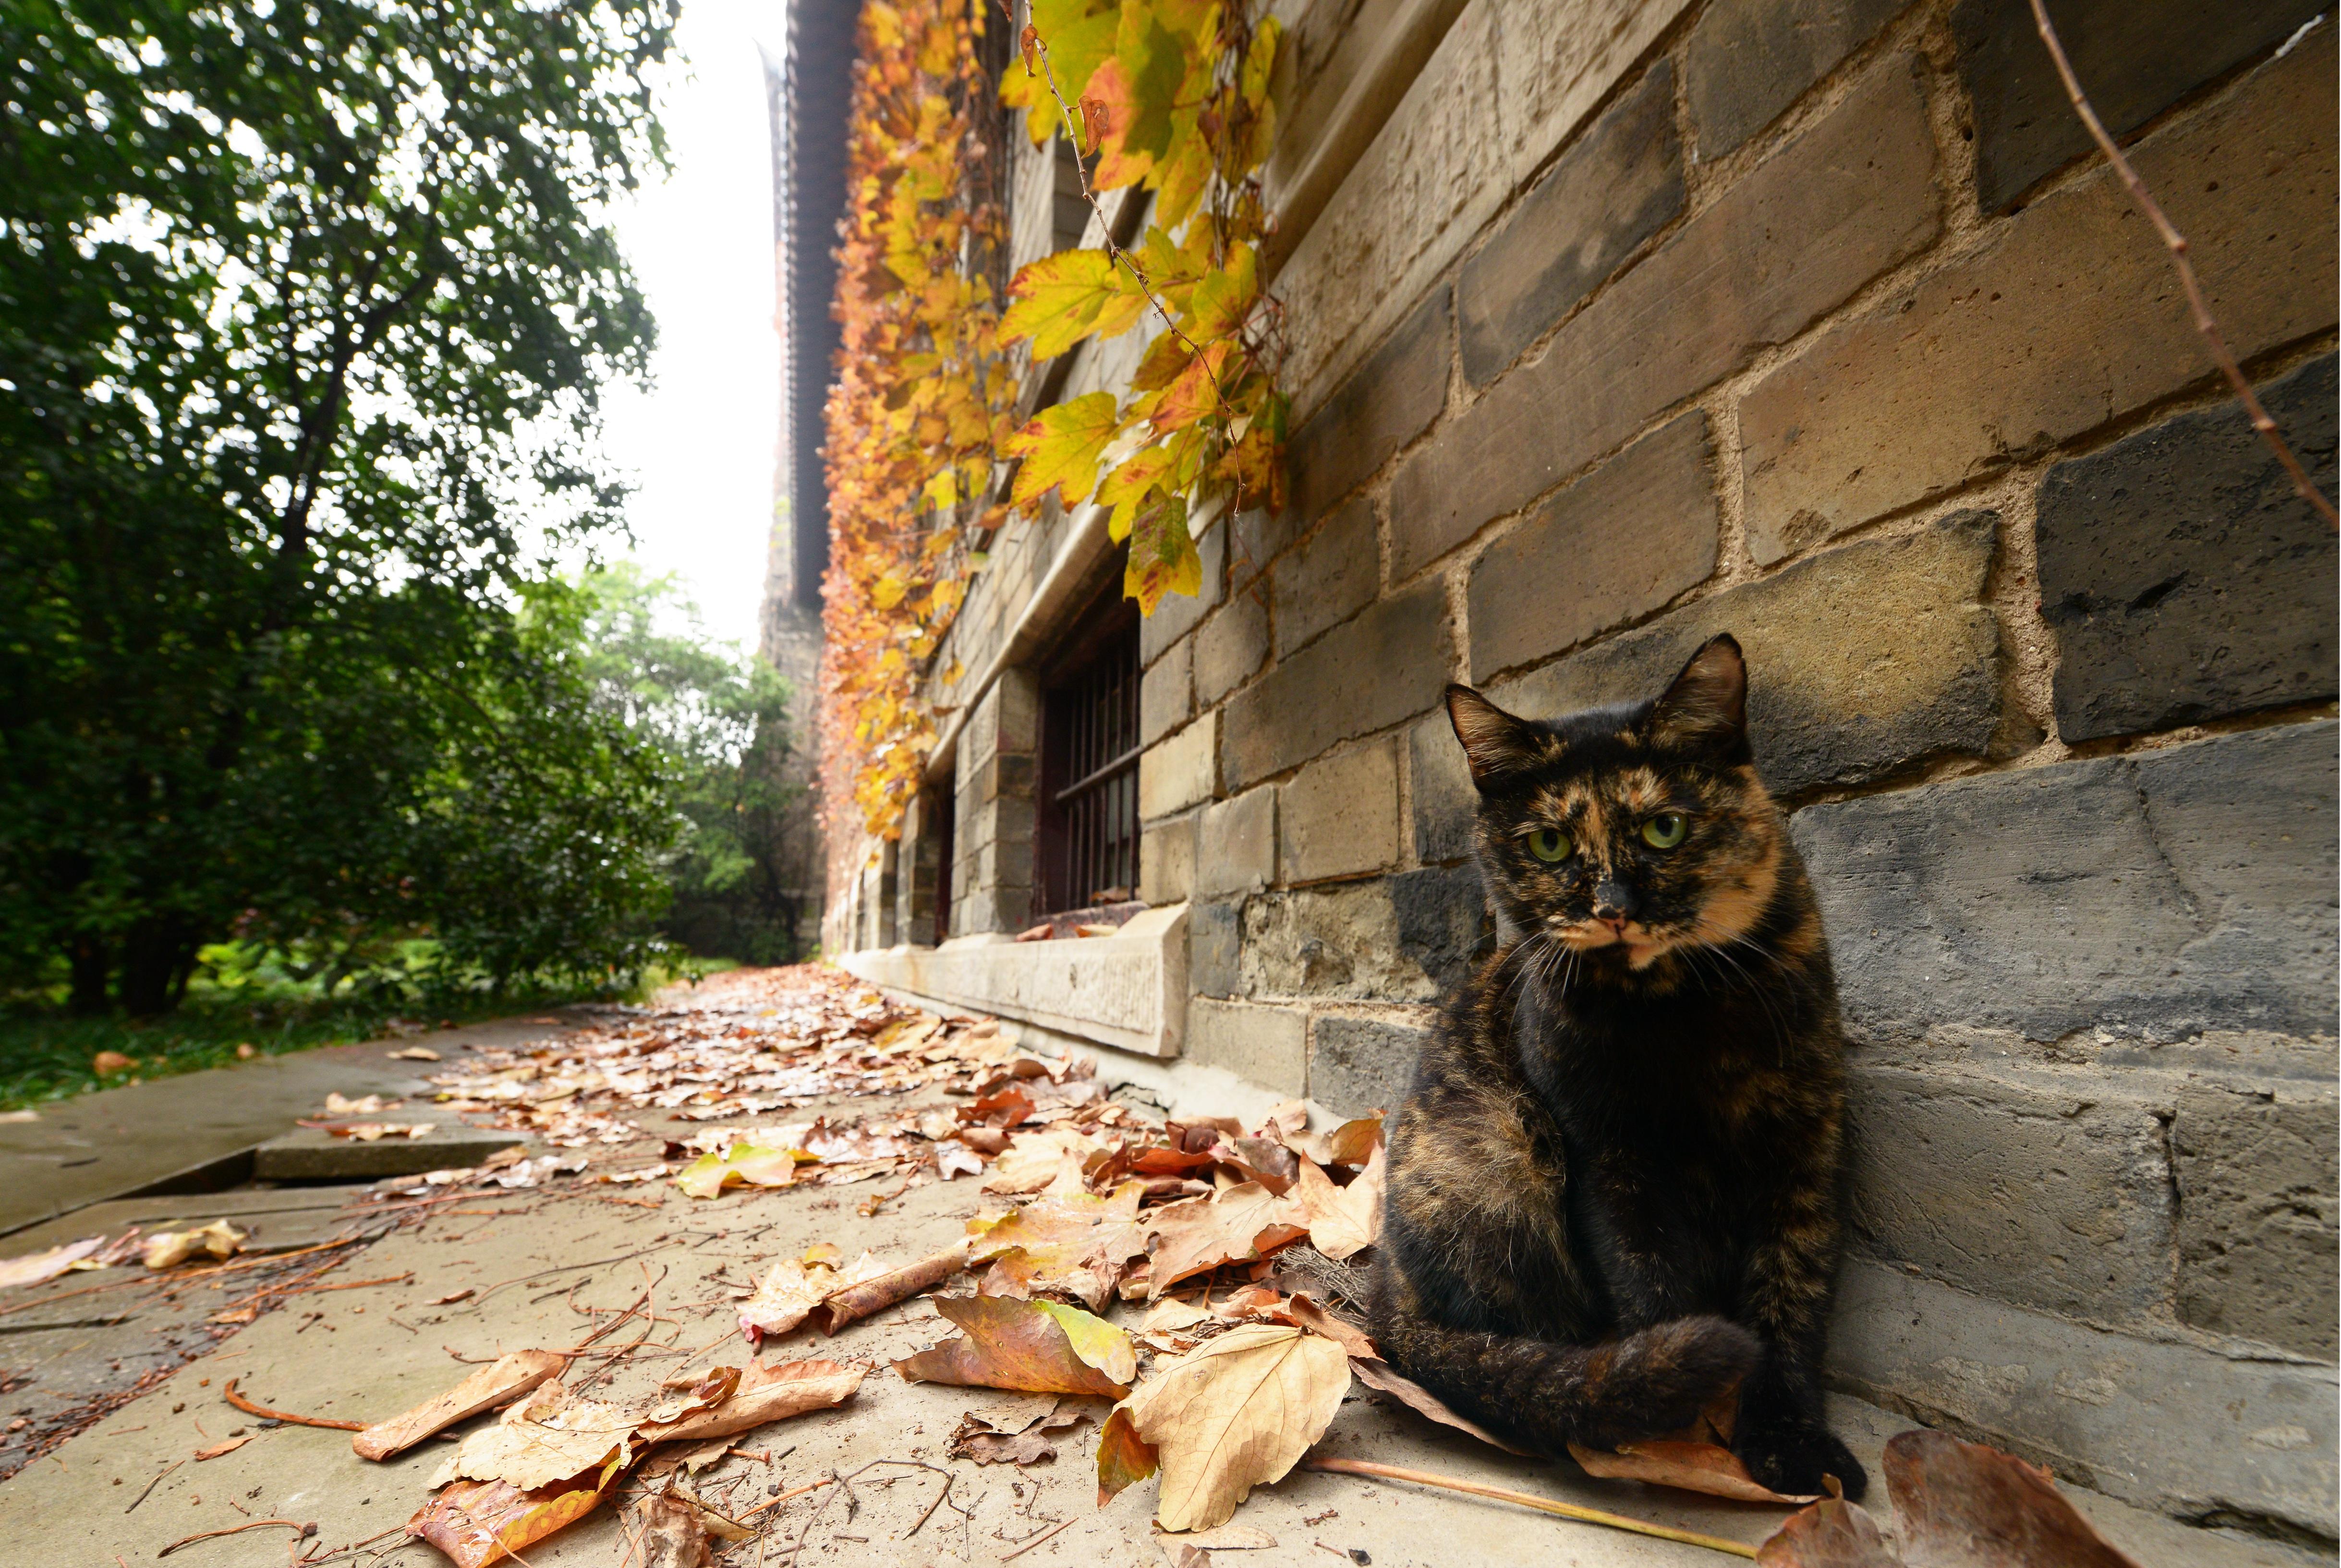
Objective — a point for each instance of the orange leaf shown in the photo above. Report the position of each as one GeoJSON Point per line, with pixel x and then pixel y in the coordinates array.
{"type": "Point", "coordinates": [1124, 1457]}
{"type": "Point", "coordinates": [478, 1522]}
{"type": "Point", "coordinates": [1035, 1345]}
{"type": "Point", "coordinates": [1197, 390]}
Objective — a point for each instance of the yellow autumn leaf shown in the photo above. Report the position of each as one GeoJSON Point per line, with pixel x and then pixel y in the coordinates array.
{"type": "Point", "coordinates": [1061, 450]}
{"type": "Point", "coordinates": [1236, 1412]}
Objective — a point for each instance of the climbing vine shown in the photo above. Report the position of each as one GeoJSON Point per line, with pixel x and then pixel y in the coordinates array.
{"type": "Point", "coordinates": [1172, 98]}
{"type": "Point", "coordinates": [1161, 96]}
{"type": "Point", "coordinates": [924, 393]}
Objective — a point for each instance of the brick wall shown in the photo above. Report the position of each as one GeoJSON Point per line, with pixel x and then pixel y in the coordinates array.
{"type": "Point", "coordinates": [1810, 320]}
{"type": "Point", "coordinates": [1818, 329]}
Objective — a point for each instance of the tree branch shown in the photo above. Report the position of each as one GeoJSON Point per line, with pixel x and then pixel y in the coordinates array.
{"type": "Point", "coordinates": [2176, 243]}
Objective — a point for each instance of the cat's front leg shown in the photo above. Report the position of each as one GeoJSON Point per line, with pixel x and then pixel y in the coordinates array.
{"type": "Point", "coordinates": [1782, 1432]}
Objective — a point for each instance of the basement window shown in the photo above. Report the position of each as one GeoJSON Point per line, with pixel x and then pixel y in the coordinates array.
{"type": "Point", "coordinates": [1087, 848]}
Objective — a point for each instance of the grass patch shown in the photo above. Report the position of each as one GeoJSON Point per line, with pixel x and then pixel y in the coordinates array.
{"type": "Point", "coordinates": [45, 1054]}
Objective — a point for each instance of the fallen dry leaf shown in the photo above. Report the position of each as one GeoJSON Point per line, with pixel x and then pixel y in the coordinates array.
{"type": "Point", "coordinates": [1379, 1375]}
{"type": "Point", "coordinates": [1170, 1314]}
{"type": "Point", "coordinates": [672, 1533]}
{"type": "Point", "coordinates": [764, 1394]}
{"type": "Point", "coordinates": [453, 1296]}
{"type": "Point", "coordinates": [36, 1268]}
{"type": "Point", "coordinates": [169, 1248]}
{"type": "Point", "coordinates": [1038, 1346]}
{"type": "Point", "coordinates": [980, 1440]}
{"type": "Point", "coordinates": [216, 1449]}
{"type": "Point", "coordinates": [476, 1523]}
{"type": "Point", "coordinates": [414, 1054]}
{"type": "Point", "coordinates": [372, 1132]}
{"type": "Point", "coordinates": [1966, 1505]}
{"type": "Point", "coordinates": [793, 1287]}
{"type": "Point", "coordinates": [1831, 1533]}
{"type": "Point", "coordinates": [741, 1165]}
{"type": "Point", "coordinates": [1704, 1467]}
{"type": "Point", "coordinates": [1035, 1161]}
{"type": "Point", "coordinates": [1122, 1457]}
{"type": "Point", "coordinates": [1196, 1235]}
{"type": "Point", "coordinates": [853, 1301]}
{"type": "Point", "coordinates": [1353, 1143]}
{"type": "Point", "coordinates": [1233, 1413]}
{"type": "Point", "coordinates": [1076, 1243]}
{"type": "Point", "coordinates": [1342, 1220]}
{"type": "Point", "coordinates": [339, 1104]}
{"type": "Point", "coordinates": [955, 1158]}
{"type": "Point", "coordinates": [546, 1440]}
{"type": "Point", "coordinates": [108, 1063]}
{"type": "Point", "coordinates": [507, 1377]}
{"type": "Point", "coordinates": [1306, 1314]}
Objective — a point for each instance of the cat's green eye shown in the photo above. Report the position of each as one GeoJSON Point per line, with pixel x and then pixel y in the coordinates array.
{"type": "Point", "coordinates": [1548, 844]}
{"type": "Point", "coordinates": [1665, 830]}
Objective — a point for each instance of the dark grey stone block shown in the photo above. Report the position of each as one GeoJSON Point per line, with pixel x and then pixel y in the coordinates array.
{"type": "Point", "coordinates": [1383, 665]}
{"type": "Point", "coordinates": [1611, 548]}
{"type": "Point", "coordinates": [1750, 59]}
{"type": "Point", "coordinates": [309, 1154]}
{"type": "Point", "coordinates": [1358, 1065]}
{"type": "Point", "coordinates": [1443, 923]}
{"type": "Point", "coordinates": [1387, 401]}
{"type": "Point", "coordinates": [2134, 57]}
{"type": "Point", "coordinates": [2256, 1179]}
{"type": "Point", "coordinates": [2156, 895]}
{"type": "Point", "coordinates": [1214, 936]}
{"type": "Point", "coordinates": [1619, 184]}
{"type": "Point", "coordinates": [2185, 579]}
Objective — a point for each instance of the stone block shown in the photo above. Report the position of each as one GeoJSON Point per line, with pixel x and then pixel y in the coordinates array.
{"type": "Point", "coordinates": [1750, 59]}
{"type": "Point", "coordinates": [1330, 578]}
{"type": "Point", "coordinates": [1360, 1064]}
{"type": "Point", "coordinates": [1443, 921]}
{"type": "Point", "coordinates": [1166, 692]}
{"type": "Point", "coordinates": [1215, 939]}
{"type": "Point", "coordinates": [311, 1154]}
{"type": "Point", "coordinates": [2053, 1195]}
{"type": "Point", "coordinates": [2156, 896]}
{"type": "Point", "coordinates": [1440, 784]}
{"type": "Point", "coordinates": [1166, 860]}
{"type": "Point", "coordinates": [1619, 184]}
{"type": "Point", "coordinates": [1177, 614]}
{"type": "Point", "coordinates": [1179, 771]}
{"type": "Point", "coordinates": [1267, 1046]}
{"type": "Point", "coordinates": [1238, 850]}
{"type": "Point", "coordinates": [1261, 536]}
{"type": "Point", "coordinates": [1231, 645]}
{"type": "Point", "coordinates": [1385, 402]}
{"type": "Point", "coordinates": [1794, 238]}
{"type": "Point", "coordinates": [1859, 660]}
{"type": "Point", "coordinates": [2136, 58]}
{"type": "Point", "coordinates": [2169, 1427]}
{"type": "Point", "coordinates": [2184, 576]}
{"type": "Point", "coordinates": [1611, 548]}
{"type": "Point", "coordinates": [2256, 1238]}
{"type": "Point", "coordinates": [1339, 941]}
{"type": "Point", "coordinates": [2070, 320]}
{"type": "Point", "coordinates": [1385, 664]}
{"type": "Point", "coordinates": [1339, 817]}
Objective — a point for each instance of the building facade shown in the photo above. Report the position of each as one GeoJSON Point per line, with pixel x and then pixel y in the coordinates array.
{"type": "Point", "coordinates": [1616, 323]}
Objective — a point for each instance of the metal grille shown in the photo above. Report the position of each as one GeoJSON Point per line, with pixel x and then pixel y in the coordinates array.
{"type": "Point", "coordinates": [1089, 839]}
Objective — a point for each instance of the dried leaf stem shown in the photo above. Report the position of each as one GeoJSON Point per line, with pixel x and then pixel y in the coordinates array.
{"type": "Point", "coordinates": [286, 1417]}
{"type": "Point", "coordinates": [1530, 1500]}
{"type": "Point", "coordinates": [2176, 243]}
{"type": "Point", "coordinates": [300, 1532]}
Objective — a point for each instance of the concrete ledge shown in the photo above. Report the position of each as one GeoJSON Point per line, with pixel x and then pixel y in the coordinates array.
{"type": "Point", "coordinates": [311, 1154]}
{"type": "Point", "coordinates": [2166, 1425]}
{"type": "Point", "coordinates": [1128, 990]}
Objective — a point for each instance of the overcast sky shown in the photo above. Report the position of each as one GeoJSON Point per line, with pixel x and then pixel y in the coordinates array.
{"type": "Point", "coordinates": [699, 442]}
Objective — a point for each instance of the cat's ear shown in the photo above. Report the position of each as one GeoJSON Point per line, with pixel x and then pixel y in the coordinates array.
{"type": "Point", "coordinates": [1706, 709]}
{"type": "Point", "coordinates": [1494, 741]}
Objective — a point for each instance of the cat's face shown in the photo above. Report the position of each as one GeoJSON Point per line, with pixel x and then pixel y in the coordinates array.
{"type": "Point", "coordinates": [1624, 835]}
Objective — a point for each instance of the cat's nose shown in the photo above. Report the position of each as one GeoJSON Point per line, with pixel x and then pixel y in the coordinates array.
{"type": "Point", "coordinates": [1613, 901]}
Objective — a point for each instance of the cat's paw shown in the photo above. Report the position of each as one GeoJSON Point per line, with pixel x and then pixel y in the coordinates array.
{"type": "Point", "coordinates": [1792, 1458]}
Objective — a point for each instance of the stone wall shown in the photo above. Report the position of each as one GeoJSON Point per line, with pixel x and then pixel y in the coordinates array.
{"type": "Point", "coordinates": [1810, 320]}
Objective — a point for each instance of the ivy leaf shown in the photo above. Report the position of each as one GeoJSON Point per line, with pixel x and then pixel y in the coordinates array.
{"type": "Point", "coordinates": [1165, 357]}
{"type": "Point", "coordinates": [1059, 300]}
{"type": "Point", "coordinates": [1223, 298]}
{"type": "Point", "coordinates": [1061, 450]}
{"type": "Point", "coordinates": [1154, 61]}
{"type": "Point", "coordinates": [1162, 556]}
{"type": "Point", "coordinates": [1126, 488]}
{"type": "Point", "coordinates": [1260, 62]}
{"type": "Point", "coordinates": [1079, 35]}
{"type": "Point", "coordinates": [1197, 392]}
{"type": "Point", "coordinates": [1186, 173]}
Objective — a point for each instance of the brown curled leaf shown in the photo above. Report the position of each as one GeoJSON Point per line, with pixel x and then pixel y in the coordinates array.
{"type": "Point", "coordinates": [1038, 1346]}
{"type": "Point", "coordinates": [858, 1300]}
{"type": "Point", "coordinates": [1704, 1467]}
{"type": "Point", "coordinates": [506, 1378]}
{"type": "Point", "coordinates": [1966, 1505]}
{"type": "Point", "coordinates": [1831, 1533]}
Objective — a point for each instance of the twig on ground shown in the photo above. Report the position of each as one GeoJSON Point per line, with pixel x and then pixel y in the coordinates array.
{"type": "Point", "coordinates": [1528, 1500]}
{"type": "Point", "coordinates": [154, 1484]}
{"type": "Point", "coordinates": [286, 1417]}
{"type": "Point", "coordinates": [938, 1503]}
{"type": "Point", "coordinates": [1036, 1540]}
{"type": "Point", "coordinates": [2176, 243]}
{"type": "Point", "coordinates": [300, 1532]}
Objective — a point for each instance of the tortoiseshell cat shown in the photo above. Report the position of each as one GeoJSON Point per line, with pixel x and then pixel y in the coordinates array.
{"type": "Point", "coordinates": [1613, 1185]}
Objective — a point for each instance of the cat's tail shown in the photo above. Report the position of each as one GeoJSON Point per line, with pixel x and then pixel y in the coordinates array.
{"type": "Point", "coordinates": [1547, 1395]}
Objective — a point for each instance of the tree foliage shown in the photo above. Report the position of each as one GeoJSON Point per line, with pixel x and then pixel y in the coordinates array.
{"type": "Point", "coordinates": [303, 311]}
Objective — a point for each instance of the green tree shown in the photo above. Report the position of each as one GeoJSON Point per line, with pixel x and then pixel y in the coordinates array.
{"type": "Point", "coordinates": [302, 313]}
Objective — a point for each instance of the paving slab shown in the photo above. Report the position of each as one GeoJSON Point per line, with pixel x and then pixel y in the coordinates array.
{"type": "Point", "coordinates": [313, 1154]}
{"type": "Point", "coordinates": [194, 1130]}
